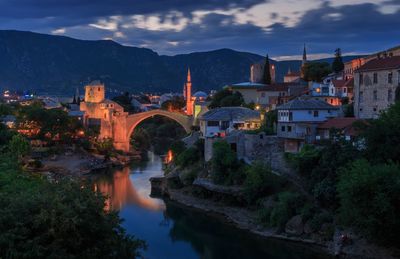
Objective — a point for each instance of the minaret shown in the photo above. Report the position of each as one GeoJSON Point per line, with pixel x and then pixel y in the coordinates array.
{"type": "Point", "coordinates": [189, 101]}
{"type": "Point", "coordinates": [304, 56]}
{"type": "Point", "coordinates": [304, 61]}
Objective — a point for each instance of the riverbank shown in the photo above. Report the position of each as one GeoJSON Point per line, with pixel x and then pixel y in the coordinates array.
{"type": "Point", "coordinates": [246, 219]}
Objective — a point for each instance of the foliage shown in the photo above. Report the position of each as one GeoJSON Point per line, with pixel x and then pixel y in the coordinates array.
{"type": "Point", "coordinates": [177, 147]}
{"type": "Point", "coordinates": [267, 72]}
{"type": "Point", "coordinates": [177, 103]}
{"type": "Point", "coordinates": [19, 146]}
{"type": "Point", "coordinates": [140, 139]}
{"type": "Point", "coordinates": [348, 110]}
{"type": "Point", "coordinates": [382, 136]}
{"type": "Point", "coordinates": [316, 71]}
{"type": "Point", "coordinates": [104, 146]}
{"type": "Point", "coordinates": [226, 168]}
{"type": "Point", "coordinates": [5, 134]}
{"type": "Point", "coordinates": [226, 98]}
{"type": "Point", "coordinates": [188, 157]}
{"type": "Point", "coordinates": [337, 64]}
{"type": "Point", "coordinates": [125, 101]}
{"type": "Point", "coordinates": [288, 204]}
{"type": "Point", "coordinates": [260, 182]}
{"type": "Point", "coordinates": [369, 200]}
{"type": "Point", "coordinates": [5, 109]}
{"type": "Point", "coordinates": [305, 160]}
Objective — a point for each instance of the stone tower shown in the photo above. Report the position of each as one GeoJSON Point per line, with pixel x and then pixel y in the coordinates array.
{"type": "Point", "coordinates": [188, 90]}
{"type": "Point", "coordinates": [94, 92]}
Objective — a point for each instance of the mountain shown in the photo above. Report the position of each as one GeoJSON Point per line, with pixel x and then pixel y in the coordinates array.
{"type": "Point", "coordinates": [58, 64]}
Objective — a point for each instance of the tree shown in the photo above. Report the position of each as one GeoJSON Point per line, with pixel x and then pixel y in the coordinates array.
{"type": "Point", "coordinates": [125, 101]}
{"type": "Point", "coordinates": [267, 72]}
{"type": "Point", "coordinates": [226, 169]}
{"type": "Point", "coordinates": [19, 146]}
{"type": "Point", "coordinates": [316, 71]}
{"type": "Point", "coordinates": [369, 200]}
{"type": "Point", "coordinates": [177, 103]}
{"type": "Point", "coordinates": [382, 136]}
{"type": "Point", "coordinates": [337, 64]}
{"type": "Point", "coordinates": [226, 98]}
{"type": "Point", "coordinates": [260, 182]}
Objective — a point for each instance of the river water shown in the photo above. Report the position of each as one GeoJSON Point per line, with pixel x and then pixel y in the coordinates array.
{"type": "Point", "coordinates": [173, 231]}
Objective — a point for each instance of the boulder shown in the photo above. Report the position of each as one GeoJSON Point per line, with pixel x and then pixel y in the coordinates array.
{"type": "Point", "coordinates": [295, 226]}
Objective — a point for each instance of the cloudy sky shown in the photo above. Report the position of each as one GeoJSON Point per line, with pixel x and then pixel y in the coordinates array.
{"type": "Point", "coordinates": [279, 27]}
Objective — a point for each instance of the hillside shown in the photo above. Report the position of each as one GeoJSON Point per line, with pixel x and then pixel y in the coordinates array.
{"type": "Point", "coordinates": [58, 64]}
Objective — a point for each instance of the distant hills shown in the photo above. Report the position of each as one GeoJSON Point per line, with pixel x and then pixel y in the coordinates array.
{"type": "Point", "coordinates": [57, 65]}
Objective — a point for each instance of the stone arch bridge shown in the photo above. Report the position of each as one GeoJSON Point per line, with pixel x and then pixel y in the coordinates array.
{"type": "Point", "coordinates": [121, 125]}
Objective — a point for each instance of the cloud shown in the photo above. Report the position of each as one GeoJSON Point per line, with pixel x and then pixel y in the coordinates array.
{"type": "Point", "coordinates": [279, 27]}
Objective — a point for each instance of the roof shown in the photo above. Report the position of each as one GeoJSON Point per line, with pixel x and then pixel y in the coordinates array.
{"type": "Point", "coordinates": [231, 113]}
{"type": "Point", "coordinates": [310, 104]}
{"type": "Point", "coordinates": [296, 73]}
{"type": "Point", "coordinates": [200, 94]}
{"type": "Point", "coordinates": [381, 64]}
{"type": "Point", "coordinates": [246, 85]}
{"type": "Point", "coordinates": [76, 113]}
{"type": "Point", "coordinates": [275, 87]}
{"type": "Point", "coordinates": [337, 123]}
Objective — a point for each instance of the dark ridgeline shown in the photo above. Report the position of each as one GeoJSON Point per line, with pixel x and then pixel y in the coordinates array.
{"type": "Point", "coordinates": [58, 64]}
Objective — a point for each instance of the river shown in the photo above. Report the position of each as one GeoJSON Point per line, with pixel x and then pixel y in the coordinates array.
{"type": "Point", "coordinates": [174, 231]}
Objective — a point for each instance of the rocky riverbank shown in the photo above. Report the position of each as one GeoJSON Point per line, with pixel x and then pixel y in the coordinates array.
{"type": "Point", "coordinates": [247, 219]}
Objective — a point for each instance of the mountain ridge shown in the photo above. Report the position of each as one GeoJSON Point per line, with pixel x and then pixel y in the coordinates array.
{"type": "Point", "coordinates": [59, 64]}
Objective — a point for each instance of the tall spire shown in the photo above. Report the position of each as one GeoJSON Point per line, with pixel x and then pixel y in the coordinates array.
{"type": "Point", "coordinates": [188, 76]}
{"type": "Point", "coordinates": [304, 55]}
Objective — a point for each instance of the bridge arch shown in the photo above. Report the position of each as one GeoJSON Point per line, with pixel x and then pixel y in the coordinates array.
{"type": "Point", "coordinates": [133, 120]}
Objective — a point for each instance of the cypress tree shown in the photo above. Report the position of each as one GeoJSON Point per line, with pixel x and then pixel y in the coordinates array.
{"type": "Point", "coordinates": [338, 64]}
{"type": "Point", "coordinates": [267, 72]}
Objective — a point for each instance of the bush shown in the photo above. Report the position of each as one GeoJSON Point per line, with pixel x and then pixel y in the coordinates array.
{"type": "Point", "coordinates": [369, 200]}
{"type": "Point", "coordinates": [188, 157]}
{"type": "Point", "coordinates": [260, 182]}
{"type": "Point", "coordinates": [306, 160]}
{"type": "Point", "coordinates": [226, 169]}
{"type": "Point", "coordinates": [288, 205]}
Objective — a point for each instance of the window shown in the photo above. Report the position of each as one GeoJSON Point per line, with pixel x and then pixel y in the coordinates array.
{"type": "Point", "coordinates": [344, 90]}
{"type": "Point", "coordinates": [290, 116]}
{"type": "Point", "coordinates": [374, 109]}
{"type": "Point", "coordinates": [316, 113]}
{"type": "Point", "coordinates": [331, 101]}
{"type": "Point", "coordinates": [263, 95]}
{"type": "Point", "coordinates": [361, 97]}
{"type": "Point", "coordinates": [361, 77]}
{"type": "Point", "coordinates": [375, 78]}
{"type": "Point", "coordinates": [212, 123]}
{"type": "Point", "coordinates": [390, 95]}
{"type": "Point", "coordinates": [224, 125]}
{"type": "Point", "coordinates": [289, 128]}
{"type": "Point", "coordinates": [375, 95]}
{"type": "Point", "coordinates": [390, 78]}
{"type": "Point", "coordinates": [283, 128]}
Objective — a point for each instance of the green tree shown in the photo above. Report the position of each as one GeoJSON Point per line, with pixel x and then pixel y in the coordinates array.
{"type": "Point", "coordinates": [260, 182]}
{"type": "Point", "coordinates": [337, 64]}
{"type": "Point", "coordinates": [177, 103]}
{"type": "Point", "coordinates": [382, 136]}
{"type": "Point", "coordinates": [141, 139]}
{"type": "Point", "coordinates": [369, 200]}
{"type": "Point", "coordinates": [316, 71]}
{"type": "Point", "coordinates": [19, 146]}
{"type": "Point", "coordinates": [225, 98]}
{"type": "Point", "coordinates": [125, 101]}
{"type": "Point", "coordinates": [267, 72]}
{"type": "Point", "coordinates": [226, 169]}
{"type": "Point", "coordinates": [104, 146]}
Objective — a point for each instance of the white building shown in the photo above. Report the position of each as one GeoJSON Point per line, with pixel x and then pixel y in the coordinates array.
{"type": "Point", "coordinates": [220, 121]}
{"type": "Point", "coordinates": [298, 120]}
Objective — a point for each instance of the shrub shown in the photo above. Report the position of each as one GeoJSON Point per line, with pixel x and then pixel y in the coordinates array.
{"type": "Point", "coordinates": [369, 200]}
{"type": "Point", "coordinates": [260, 182]}
{"type": "Point", "coordinates": [288, 205]}
{"type": "Point", "coordinates": [187, 157]}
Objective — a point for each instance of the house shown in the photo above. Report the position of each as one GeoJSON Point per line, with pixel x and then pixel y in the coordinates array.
{"type": "Point", "coordinates": [343, 88]}
{"type": "Point", "coordinates": [248, 90]}
{"type": "Point", "coordinates": [292, 77]}
{"type": "Point", "coordinates": [375, 85]}
{"type": "Point", "coordinates": [220, 121]}
{"type": "Point", "coordinates": [276, 94]}
{"type": "Point", "coordinates": [298, 120]}
{"type": "Point", "coordinates": [343, 125]}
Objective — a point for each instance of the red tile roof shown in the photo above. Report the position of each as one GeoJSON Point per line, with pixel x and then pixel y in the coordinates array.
{"type": "Point", "coordinates": [337, 123]}
{"type": "Point", "coordinates": [381, 64]}
{"type": "Point", "coordinates": [343, 83]}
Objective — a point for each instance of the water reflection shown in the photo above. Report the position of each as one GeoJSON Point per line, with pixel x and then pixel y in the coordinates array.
{"type": "Point", "coordinates": [172, 231]}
